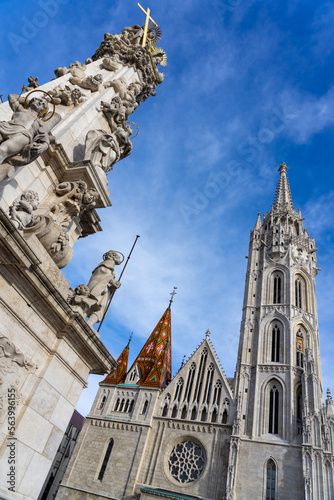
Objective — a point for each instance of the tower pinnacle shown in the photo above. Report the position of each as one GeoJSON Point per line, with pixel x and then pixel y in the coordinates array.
{"type": "Point", "coordinates": [283, 198]}
{"type": "Point", "coordinates": [258, 223]}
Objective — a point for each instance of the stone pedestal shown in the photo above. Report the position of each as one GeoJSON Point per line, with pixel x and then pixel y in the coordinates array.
{"type": "Point", "coordinates": [46, 354]}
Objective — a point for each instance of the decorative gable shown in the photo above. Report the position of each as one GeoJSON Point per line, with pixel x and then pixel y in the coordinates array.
{"type": "Point", "coordinates": [200, 390]}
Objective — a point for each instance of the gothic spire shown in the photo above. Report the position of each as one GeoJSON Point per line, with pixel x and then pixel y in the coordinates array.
{"type": "Point", "coordinates": [283, 199]}
{"type": "Point", "coordinates": [118, 376]}
{"type": "Point", "coordinates": [154, 360]}
{"type": "Point", "coordinates": [258, 223]}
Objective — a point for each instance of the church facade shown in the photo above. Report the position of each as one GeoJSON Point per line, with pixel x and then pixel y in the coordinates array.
{"type": "Point", "coordinates": [265, 434]}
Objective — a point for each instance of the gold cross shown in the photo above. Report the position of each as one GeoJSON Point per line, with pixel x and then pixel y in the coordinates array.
{"type": "Point", "coordinates": [148, 18]}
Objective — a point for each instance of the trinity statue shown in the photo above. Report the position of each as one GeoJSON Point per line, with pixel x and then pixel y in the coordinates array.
{"type": "Point", "coordinates": [79, 120]}
{"type": "Point", "coordinates": [58, 141]}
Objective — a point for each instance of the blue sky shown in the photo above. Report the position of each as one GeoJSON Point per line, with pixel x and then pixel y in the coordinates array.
{"type": "Point", "coordinates": [249, 84]}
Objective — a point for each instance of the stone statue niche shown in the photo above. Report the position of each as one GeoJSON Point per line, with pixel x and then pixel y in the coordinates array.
{"type": "Point", "coordinates": [91, 300]}
{"type": "Point", "coordinates": [27, 134]}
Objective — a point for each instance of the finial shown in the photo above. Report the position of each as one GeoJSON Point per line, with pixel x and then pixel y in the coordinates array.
{"type": "Point", "coordinates": [283, 168]}
{"type": "Point", "coordinates": [329, 404]}
{"type": "Point", "coordinates": [207, 334]}
{"type": "Point", "coordinates": [1, 97]}
{"type": "Point", "coordinates": [183, 361]}
{"type": "Point", "coordinates": [172, 295]}
{"type": "Point", "coordinates": [130, 338]}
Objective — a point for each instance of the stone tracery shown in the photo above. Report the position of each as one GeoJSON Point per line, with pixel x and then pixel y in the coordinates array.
{"type": "Point", "coordinates": [186, 462]}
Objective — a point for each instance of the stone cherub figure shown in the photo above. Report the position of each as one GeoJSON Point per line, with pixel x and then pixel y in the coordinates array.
{"type": "Point", "coordinates": [26, 135]}
{"type": "Point", "coordinates": [91, 299]}
{"type": "Point", "coordinates": [90, 82]}
{"type": "Point", "coordinates": [76, 69]}
{"type": "Point", "coordinates": [21, 210]}
{"type": "Point", "coordinates": [115, 112]}
{"type": "Point", "coordinates": [65, 95]}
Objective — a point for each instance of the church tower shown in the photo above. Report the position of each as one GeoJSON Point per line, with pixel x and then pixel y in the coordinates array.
{"type": "Point", "coordinates": [278, 385]}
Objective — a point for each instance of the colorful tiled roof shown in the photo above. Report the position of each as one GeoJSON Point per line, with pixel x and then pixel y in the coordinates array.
{"type": "Point", "coordinates": [118, 376]}
{"type": "Point", "coordinates": [154, 360]}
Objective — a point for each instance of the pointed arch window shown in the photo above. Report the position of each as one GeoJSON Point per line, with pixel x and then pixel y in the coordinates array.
{"type": "Point", "coordinates": [273, 410]}
{"type": "Point", "coordinates": [144, 410]}
{"type": "Point", "coordinates": [193, 413]}
{"type": "Point", "coordinates": [277, 289]}
{"type": "Point", "coordinates": [214, 416]}
{"type": "Point", "coordinates": [184, 412]}
{"type": "Point", "coordinates": [300, 349]}
{"type": "Point", "coordinates": [131, 405]}
{"type": "Point", "coordinates": [117, 404]}
{"type": "Point", "coordinates": [190, 382]}
{"type": "Point", "coordinates": [105, 460]}
{"type": "Point", "coordinates": [102, 403]}
{"type": "Point", "coordinates": [298, 293]}
{"type": "Point", "coordinates": [208, 385]}
{"type": "Point", "coordinates": [178, 391]}
{"type": "Point", "coordinates": [174, 412]}
{"type": "Point", "coordinates": [226, 405]}
{"type": "Point", "coordinates": [270, 480]}
{"type": "Point", "coordinates": [200, 377]}
{"type": "Point", "coordinates": [166, 405]}
{"type": "Point", "coordinates": [217, 393]}
{"type": "Point", "coordinates": [275, 343]}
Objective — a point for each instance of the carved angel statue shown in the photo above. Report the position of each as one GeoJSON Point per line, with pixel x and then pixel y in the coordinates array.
{"type": "Point", "coordinates": [115, 112]}
{"type": "Point", "coordinates": [105, 149]}
{"type": "Point", "coordinates": [26, 135]}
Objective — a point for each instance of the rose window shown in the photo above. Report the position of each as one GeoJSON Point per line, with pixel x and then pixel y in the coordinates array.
{"type": "Point", "coordinates": [186, 462]}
